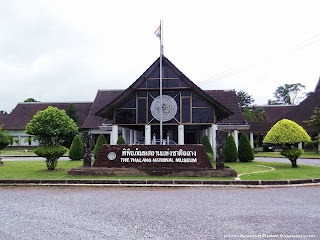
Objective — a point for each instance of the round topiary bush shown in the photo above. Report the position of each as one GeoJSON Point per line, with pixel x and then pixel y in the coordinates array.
{"type": "Point", "coordinates": [76, 149]}
{"type": "Point", "coordinates": [206, 143]}
{"type": "Point", "coordinates": [230, 150]}
{"type": "Point", "coordinates": [101, 141]}
{"type": "Point", "coordinates": [292, 154]}
{"type": "Point", "coordinates": [121, 141]}
{"type": "Point", "coordinates": [51, 154]}
{"type": "Point", "coordinates": [245, 151]}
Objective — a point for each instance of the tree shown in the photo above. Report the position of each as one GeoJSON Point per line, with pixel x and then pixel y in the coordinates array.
{"type": "Point", "coordinates": [4, 138]}
{"type": "Point", "coordinates": [49, 127]}
{"type": "Point", "coordinates": [76, 149]}
{"type": "Point", "coordinates": [255, 115]}
{"type": "Point", "coordinates": [315, 120]}
{"type": "Point", "coordinates": [245, 151]}
{"type": "Point", "coordinates": [288, 94]}
{"type": "Point", "coordinates": [206, 143]}
{"type": "Point", "coordinates": [100, 142]}
{"type": "Point", "coordinates": [287, 133]}
{"type": "Point", "coordinates": [230, 150]}
{"type": "Point", "coordinates": [30, 100]}
{"type": "Point", "coordinates": [71, 111]}
{"type": "Point", "coordinates": [244, 99]}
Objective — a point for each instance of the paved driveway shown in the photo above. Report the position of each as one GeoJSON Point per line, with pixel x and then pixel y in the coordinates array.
{"type": "Point", "coordinates": [140, 213]}
{"type": "Point", "coordinates": [302, 161]}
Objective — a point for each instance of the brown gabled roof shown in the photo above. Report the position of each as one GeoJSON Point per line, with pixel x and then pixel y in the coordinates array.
{"type": "Point", "coordinates": [2, 117]}
{"type": "Point", "coordinates": [24, 112]}
{"type": "Point", "coordinates": [229, 99]}
{"type": "Point", "coordinates": [304, 110]}
{"type": "Point", "coordinates": [275, 112]}
{"type": "Point", "coordinates": [103, 97]}
{"type": "Point", "coordinates": [107, 111]}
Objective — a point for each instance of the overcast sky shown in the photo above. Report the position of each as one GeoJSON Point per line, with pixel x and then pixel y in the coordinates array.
{"type": "Point", "coordinates": [66, 50]}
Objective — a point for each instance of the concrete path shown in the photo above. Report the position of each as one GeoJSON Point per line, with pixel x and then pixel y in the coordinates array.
{"type": "Point", "coordinates": [8, 159]}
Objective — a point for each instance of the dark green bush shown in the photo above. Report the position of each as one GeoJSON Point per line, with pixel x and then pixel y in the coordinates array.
{"type": "Point", "coordinates": [121, 141]}
{"type": "Point", "coordinates": [4, 138]}
{"type": "Point", "coordinates": [230, 150]}
{"type": "Point", "coordinates": [76, 149]}
{"type": "Point", "coordinates": [292, 154]}
{"type": "Point", "coordinates": [210, 157]}
{"type": "Point", "coordinates": [245, 150]}
{"type": "Point", "coordinates": [51, 154]}
{"type": "Point", "coordinates": [100, 142]}
{"type": "Point", "coordinates": [206, 143]}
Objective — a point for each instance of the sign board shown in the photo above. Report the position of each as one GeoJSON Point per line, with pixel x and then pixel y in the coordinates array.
{"type": "Point", "coordinates": [173, 157]}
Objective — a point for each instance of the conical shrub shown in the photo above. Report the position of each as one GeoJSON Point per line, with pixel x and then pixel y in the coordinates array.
{"type": "Point", "coordinates": [121, 141]}
{"type": "Point", "coordinates": [245, 151]}
{"type": "Point", "coordinates": [76, 149]}
{"type": "Point", "coordinates": [206, 143]}
{"type": "Point", "coordinates": [230, 150]}
{"type": "Point", "coordinates": [100, 142]}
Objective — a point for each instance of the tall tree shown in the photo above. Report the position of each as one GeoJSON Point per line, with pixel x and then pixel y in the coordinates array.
{"type": "Point", "coordinates": [71, 111]}
{"type": "Point", "coordinates": [244, 99]}
{"type": "Point", "coordinates": [31, 100]}
{"type": "Point", "coordinates": [255, 115]}
{"type": "Point", "coordinates": [315, 120]}
{"type": "Point", "coordinates": [288, 94]}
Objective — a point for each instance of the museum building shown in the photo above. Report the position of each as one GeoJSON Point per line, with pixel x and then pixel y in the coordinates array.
{"type": "Point", "coordinates": [188, 111]}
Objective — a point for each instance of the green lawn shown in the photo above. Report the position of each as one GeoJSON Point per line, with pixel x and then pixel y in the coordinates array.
{"type": "Point", "coordinates": [277, 154]}
{"type": "Point", "coordinates": [38, 170]}
{"type": "Point", "coordinates": [283, 171]}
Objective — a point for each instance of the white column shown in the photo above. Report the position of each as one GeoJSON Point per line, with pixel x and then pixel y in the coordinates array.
{"type": "Point", "coordinates": [235, 136]}
{"type": "Point", "coordinates": [210, 136]}
{"type": "Point", "coordinates": [135, 136]}
{"type": "Point", "coordinates": [206, 131]}
{"type": "Point", "coordinates": [114, 135]}
{"type": "Point", "coordinates": [181, 134]}
{"type": "Point", "coordinates": [147, 134]}
{"type": "Point", "coordinates": [300, 145]}
{"type": "Point", "coordinates": [124, 134]}
{"type": "Point", "coordinates": [214, 128]}
{"type": "Point", "coordinates": [251, 140]}
{"type": "Point", "coordinates": [130, 137]}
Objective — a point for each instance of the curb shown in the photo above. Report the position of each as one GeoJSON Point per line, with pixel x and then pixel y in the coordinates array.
{"type": "Point", "coordinates": [160, 183]}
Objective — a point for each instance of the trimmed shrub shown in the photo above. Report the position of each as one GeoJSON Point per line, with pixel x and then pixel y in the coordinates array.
{"type": "Point", "coordinates": [210, 157]}
{"type": "Point", "coordinates": [76, 149]}
{"type": "Point", "coordinates": [286, 132]}
{"type": "Point", "coordinates": [4, 138]}
{"type": "Point", "coordinates": [230, 150]}
{"type": "Point", "coordinates": [245, 151]}
{"type": "Point", "coordinates": [100, 142]}
{"type": "Point", "coordinates": [206, 143]}
{"type": "Point", "coordinates": [121, 141]}
{"type": "Point", "coordinates": [292, 154]}
{"type": "Point", "coordinates": [51, 154]}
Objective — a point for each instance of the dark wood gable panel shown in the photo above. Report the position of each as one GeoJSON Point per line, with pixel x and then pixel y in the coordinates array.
{"type": "Point", "coordinates": [149, 81]}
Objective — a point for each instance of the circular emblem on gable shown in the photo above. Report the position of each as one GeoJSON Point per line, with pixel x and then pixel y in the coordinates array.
{"type": "Point", "coordinates": [112, 156]}
{"type": "Point", "coordinates": [169, 108]}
